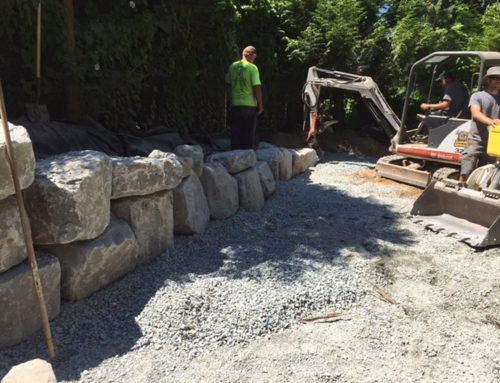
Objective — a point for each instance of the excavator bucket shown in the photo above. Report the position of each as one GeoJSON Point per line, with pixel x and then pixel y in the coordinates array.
{"type": "Point", "coordinates": [471, 216]}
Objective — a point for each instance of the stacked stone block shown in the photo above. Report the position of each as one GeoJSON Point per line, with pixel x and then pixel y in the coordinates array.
{"type": "Point", "coordinates": [19, 313]}
{"type": "Point", "coordinates": [95, 218]}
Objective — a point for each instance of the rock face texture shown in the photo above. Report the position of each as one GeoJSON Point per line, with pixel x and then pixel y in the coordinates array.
{"type": "Point", "coordinates": [267, 180]}
{"type": "Point", "coordinates": [302, 159]}
{"type": "Point", "coordinates": [221, 190]}
{"type": "Point", "coordinates": [33, 371]}
{"type": "Point", "coordinates": [19, 313]}
{"type": "Point", "coordinates": [87, 266]}
{"type": "Point", "coordinates": [250, 190]}
{"type": "Point", "coordinates": [96, 217]}
{"type": "Point", "coordinates": [12, 247]}
{"type": "Point", "coordinates": [138, 176]}
{"type": "Point", "coordinates": [273, 157]}
{"type": "Point", "coordinates": [187, 166]}
{"type": "Point", "coordinates": [195, 152]}
{"type": "Point", "coordinates": [151, 219]}
{"type": "Point", "coordinates": [24, 157]}
{"type": "Point", "coordinates": [70, 198]}
{"type": "Point", "coordinates": [235, 161]}
{"type": "Point", "coordinates": [173, 166]}
{"type": "Point", "coordinates": [191, 212]}
{"type": "Point", "coordinates": [286, 161]}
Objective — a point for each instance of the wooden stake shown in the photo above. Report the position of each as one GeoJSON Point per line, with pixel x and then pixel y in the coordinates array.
{"type": "Point", "coordinates": [321, 317]}
{"type": "Point", "coordinates": [382, 294]}
{"type": "Point", "coordinates": [26, 228]}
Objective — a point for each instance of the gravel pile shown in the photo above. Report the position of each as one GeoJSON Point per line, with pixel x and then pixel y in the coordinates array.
{"type": "Point", "coordinates": [311, 250]}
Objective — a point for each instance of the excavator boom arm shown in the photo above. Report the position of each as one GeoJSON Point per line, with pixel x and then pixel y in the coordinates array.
{"type": "Point", "coordinates": [364, 85]}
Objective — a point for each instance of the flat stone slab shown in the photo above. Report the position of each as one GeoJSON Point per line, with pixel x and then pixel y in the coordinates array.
{"type": "Point", "coordinates": [19, 313]}
{"type": "Point", "coordinates": [12, 247]}
{"type": "Point", "coordinates": [137, 176]}
{"type": "Point", "coordinates": [33, 371]}
{"type": "Point", "coordinates": [88, 266]}
{"type": "Point", "coordinates": [151, 218]}
{"type": "Point", "coordinates": [267, 180]}
{"type": "Point", "coordinates": [221, 190]}
{"type": "Point", "coordinates": [70, 198]}
{"type": "Point", "coordinates": [235, 161]}
{"type": "Point", "coordinates": [195, 152]}
{"type": "Point", "coordinates": [24, 158]}
{"type": "Point", "coordinates": [250, 190]}
{"type": "Point", "coordinates": [302, 159]}
{"type": "Point", "coordinates": [191, 212]}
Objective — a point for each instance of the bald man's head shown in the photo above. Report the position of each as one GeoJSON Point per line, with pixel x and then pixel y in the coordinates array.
{"type": "Point", "coordinates": [249, 53]}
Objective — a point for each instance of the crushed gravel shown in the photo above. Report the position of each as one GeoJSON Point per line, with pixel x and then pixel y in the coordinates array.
{"type": "Point", "coordinates": [224, 305]}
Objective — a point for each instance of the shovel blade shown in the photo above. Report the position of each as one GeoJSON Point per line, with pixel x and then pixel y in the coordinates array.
{"type": "Point", "coordinates": [471, 216]}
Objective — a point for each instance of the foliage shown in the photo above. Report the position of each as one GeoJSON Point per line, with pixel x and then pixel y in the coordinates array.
{"type": "Point", "coordinates": [150, 62]}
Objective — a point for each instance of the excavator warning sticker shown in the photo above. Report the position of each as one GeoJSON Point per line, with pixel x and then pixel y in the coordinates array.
{"type": "Point", "coordinates": [461, 141]}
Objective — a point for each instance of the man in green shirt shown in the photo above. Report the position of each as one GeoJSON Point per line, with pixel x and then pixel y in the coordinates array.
{"type": "Point", "coordinates": [246, 99]}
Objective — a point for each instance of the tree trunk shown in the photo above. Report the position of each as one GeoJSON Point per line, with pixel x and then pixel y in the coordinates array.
{"type": "Point", "coordinates": [72, 86]}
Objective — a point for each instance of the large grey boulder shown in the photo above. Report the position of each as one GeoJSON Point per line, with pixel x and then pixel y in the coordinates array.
{"type": "Point", "coordinates": [12, 247]}
{"type": "Point", "coordinates": [235, 161]}
{"type": "Point", "coordinates": [250, 190]}
{"type": "Point", "coordinates": [191, 212]}
{"type": "Point", "coordinates": [195, 152]}
{"type": "Point", "coordinates": [19, 313]}
{"type": "Point", "coordinates": [177, 166]}
{"type": "Point", "coordinates": [187, 166]}
{"type": "Point", "coordinates": [151, 219]}
{"type": "Point", "coordinates": [70, 198]}
{"type": "Point", "coordinates": [24, 157]}
{"type": "Point", "coordinates": [33, 371]}
{"type": "Point", "coordinates": [267, 180]}
{"type": "Point", "coordinates": [286, 164]}
{"type": "Point", "coordinates": [173, 167]}
{"type": "Point", "coordinates": [221, 191]}
{"type": "Point", "coordinates": [273, 157]}
{"type": "Point", "coordinates": [136, 176]}
{"type": "Point", "coordinates": [87, 266]}
{"type": "Point", "coordinates": [302, 159]}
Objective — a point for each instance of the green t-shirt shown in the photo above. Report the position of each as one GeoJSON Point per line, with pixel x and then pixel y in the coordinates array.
{"type": "Point", "coordinates": [243, 76]}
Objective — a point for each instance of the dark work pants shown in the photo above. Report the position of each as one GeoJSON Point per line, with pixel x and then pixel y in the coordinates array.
{"type": "Point", "coordinates": [243, 122]}
{"type": "Point", "coordinates": [473, 156]}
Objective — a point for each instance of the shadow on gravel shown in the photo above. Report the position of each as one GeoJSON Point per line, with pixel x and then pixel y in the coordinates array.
{"type": "Point", "coordinates": [303, 226]}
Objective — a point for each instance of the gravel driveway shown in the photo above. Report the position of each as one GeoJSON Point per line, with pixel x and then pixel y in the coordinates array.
{"type": "Point", "coordinates": [225, 306]}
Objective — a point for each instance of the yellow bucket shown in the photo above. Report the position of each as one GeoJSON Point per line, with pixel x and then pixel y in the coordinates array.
{"type": "Point", "coordinates": [493, 149]}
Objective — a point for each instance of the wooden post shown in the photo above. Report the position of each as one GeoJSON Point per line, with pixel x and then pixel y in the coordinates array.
{"type": "Point", "coordinates": [38, 50]}
{"type": "Point", "coordinates": [26, 228]}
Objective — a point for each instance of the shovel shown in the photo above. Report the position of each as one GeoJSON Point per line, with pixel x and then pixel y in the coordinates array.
{"type": "Point", "coordinates": [37, 112]}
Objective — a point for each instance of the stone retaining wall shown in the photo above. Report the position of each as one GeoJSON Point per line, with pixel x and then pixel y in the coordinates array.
{"type": "Point", "coordinates": [95, 218]}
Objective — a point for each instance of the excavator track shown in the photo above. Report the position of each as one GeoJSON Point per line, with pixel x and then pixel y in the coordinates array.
{"type": "Point", "coordinates": [403, 169]}
{"type": "Point", "coordinates": [445, 173]}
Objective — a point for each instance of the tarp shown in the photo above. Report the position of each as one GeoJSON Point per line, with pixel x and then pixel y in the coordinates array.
{"type": "Point", "coordinates": [56, 137]}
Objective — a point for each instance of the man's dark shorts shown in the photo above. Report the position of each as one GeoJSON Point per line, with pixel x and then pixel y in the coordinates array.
{"type": "Point", "coordinates": [243, 122]}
